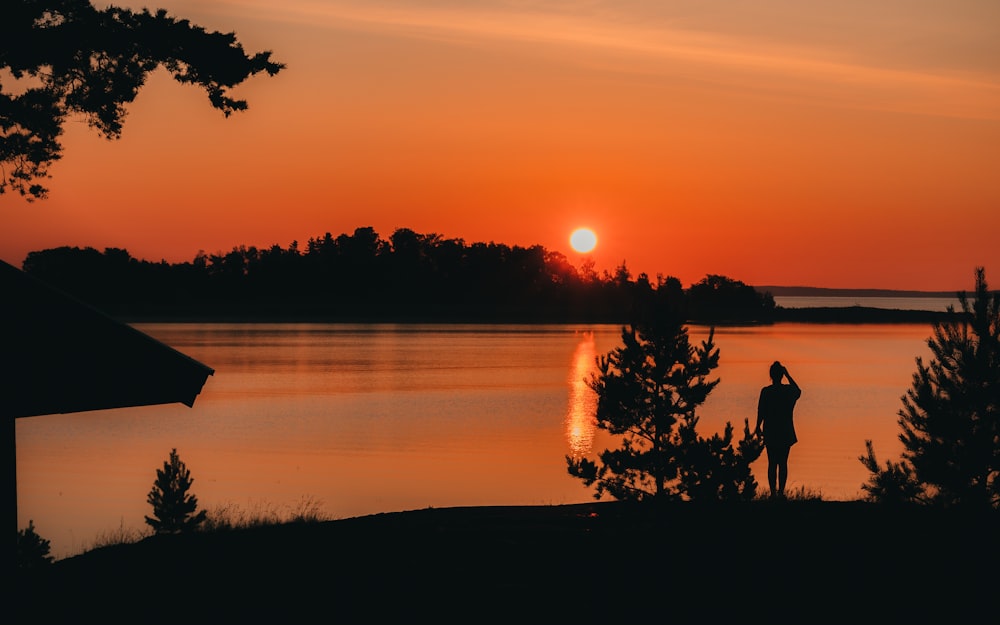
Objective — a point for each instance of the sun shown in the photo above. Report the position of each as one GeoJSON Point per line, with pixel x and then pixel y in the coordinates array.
{"type": "Point", "coordinates": [583, 240]}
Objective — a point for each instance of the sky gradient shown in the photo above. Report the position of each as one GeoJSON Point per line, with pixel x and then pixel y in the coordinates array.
{"type": "Point", "coordinates": [835, 144]}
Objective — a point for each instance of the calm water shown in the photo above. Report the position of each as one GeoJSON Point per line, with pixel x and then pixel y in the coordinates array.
{"type": "Point", "coordinates": [375, 418]}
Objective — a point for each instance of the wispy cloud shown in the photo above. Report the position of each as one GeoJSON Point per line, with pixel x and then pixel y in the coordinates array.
{"type": "Point", "coordinates": [638, 43]}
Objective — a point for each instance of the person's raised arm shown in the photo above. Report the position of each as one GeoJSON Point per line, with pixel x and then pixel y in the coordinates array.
{"type": "Point", "coordinates": [791, 382]}
{"type": "Point", "coordinates": [788, 377]}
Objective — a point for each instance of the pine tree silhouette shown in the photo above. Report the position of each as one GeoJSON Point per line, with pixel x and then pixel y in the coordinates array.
{"type": "Point", "coordinates": [648, 391]}
{"type": "Point", "coordinates": [950, 419]}
{"type": "Point", "coordinates": [173, 508]}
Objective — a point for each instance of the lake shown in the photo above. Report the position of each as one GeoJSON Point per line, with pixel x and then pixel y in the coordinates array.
{"type": "Point", "coordinates": [362, 419]}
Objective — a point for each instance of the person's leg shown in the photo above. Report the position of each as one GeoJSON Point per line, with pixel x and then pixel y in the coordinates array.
{"type": "Point", "coordinates": [781, 469]}
{"type": "Point", "coordinates": [772, 470]}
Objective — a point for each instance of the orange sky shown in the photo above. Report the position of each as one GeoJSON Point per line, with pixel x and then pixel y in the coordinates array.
{"type": "Point", "coordinates": [775, 142]}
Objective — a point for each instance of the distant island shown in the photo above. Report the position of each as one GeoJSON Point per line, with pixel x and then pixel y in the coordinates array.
{"type": "Point", "coordinates": [812, 291]}
{"type": "Point", "coordinates": [413, 277]}
{"type": "Point", "coordinates": [856, 314]}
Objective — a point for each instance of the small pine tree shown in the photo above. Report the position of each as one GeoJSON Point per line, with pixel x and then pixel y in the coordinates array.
{"type": "Point", "coordinates": [648, 391]}
{"type": "Point", "coordinates": [950, 418]}
{"type": "Point", "coordinates": [173, 508]}
{"type": "Point", "coordinates": [713, 470]}
{"type": "Point", "coordinates": [893, 484]}
{"type": "Point", "coordinates": [32, 549]}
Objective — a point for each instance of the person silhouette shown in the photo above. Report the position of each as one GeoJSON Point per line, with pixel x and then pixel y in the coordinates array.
{"type": "Point", "coordinates": [774, 422]}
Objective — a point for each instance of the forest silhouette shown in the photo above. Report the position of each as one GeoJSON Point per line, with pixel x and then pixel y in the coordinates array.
{"type": "Point", "coordinates": [408, 277]}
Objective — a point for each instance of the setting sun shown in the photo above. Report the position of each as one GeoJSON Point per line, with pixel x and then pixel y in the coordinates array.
{"type": "Point", "coordinates": [583, 240]}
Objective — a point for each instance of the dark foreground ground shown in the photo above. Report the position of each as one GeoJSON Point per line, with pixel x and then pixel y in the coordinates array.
{"type": "Point", "coordinates": [797, 562]}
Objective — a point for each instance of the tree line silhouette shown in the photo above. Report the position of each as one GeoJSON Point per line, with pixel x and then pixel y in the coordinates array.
{"type": "Point", "coordinates": [409, 277]}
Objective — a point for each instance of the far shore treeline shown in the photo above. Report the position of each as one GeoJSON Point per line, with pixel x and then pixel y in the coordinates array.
{"type": "Point", "coordinates": [410, 277]}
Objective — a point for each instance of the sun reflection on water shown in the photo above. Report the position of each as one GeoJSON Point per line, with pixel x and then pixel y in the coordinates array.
{"type": "Point", "coordinates": [580, 414]}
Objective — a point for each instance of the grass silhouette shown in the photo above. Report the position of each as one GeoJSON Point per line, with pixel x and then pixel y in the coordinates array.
{"type": "Point", "coordinates": [803, 560]}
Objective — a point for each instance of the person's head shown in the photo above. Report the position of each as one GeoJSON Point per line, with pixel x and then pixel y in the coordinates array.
{"type": "Point", "coordinates": [777, 371]}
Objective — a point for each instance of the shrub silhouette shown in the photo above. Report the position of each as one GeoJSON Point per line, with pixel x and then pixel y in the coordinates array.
{"type": "Point", "coordinates": [893, 484]}
{"type": "Point", "coordinates": [32, 549]}
{"type": "Point", "coordinates": [173, 508]}
{"type": "Point", "coordinates": [648, 391]}
{"type": "Point", "coordinates": [950, 418]}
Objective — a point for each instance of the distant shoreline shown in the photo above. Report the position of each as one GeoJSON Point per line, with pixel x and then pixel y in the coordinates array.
{"type": "Point", "coordinates": [857, 314]}
{"type": "Point", "coordinates": [812, 291]}
{"type": "Point", "coordinates": [825, 315]}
